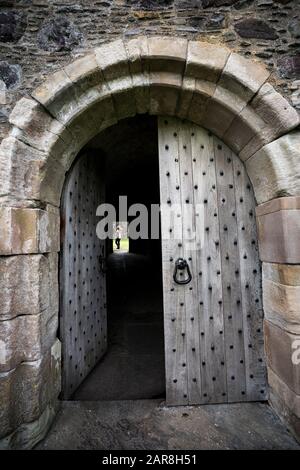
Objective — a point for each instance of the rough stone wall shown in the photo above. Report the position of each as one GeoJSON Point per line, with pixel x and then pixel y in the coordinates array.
{"type": "Point", "coordinates": [47, 148]}
{"type": "Point", "coordinates": [38, 37]}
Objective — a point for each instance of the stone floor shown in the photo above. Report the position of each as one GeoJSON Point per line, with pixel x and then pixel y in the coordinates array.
{"type": "Point", "coordinates": [149, 425]}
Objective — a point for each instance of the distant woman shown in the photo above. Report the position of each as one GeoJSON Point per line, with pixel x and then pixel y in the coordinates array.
{"type": "Point", "coordinates": [118, 237]}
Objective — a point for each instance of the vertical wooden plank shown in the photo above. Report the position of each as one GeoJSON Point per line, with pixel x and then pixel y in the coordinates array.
{"type": "Point", "coordinates": [230, 273]}
{"type": "Point", "coordinates": [171, 233]}
{"type": "Point", "coordinates": [251, 285]}
{"type": "Point", "coordinates": [190, 291]}
{"type": "Point", "coordinates": [200, 149]}
{"type": "Point", "coordinates": [213, 367]}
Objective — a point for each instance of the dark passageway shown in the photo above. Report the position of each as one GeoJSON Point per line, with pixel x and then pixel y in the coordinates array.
{"type": "Point", "coordinates": [133, 367]}
{"type": "Point", "coordinates": [134, 364]}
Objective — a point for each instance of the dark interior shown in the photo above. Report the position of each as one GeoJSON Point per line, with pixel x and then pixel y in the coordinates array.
{"type": "Point", "coordinates": [133, 367]}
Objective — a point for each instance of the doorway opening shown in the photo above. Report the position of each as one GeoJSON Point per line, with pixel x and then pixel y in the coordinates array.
{"type": "Point", "coordinates": [130, 362]}
{"type": "Point", "coordinates": [120, 241]}
{"type": "Point", "coordinates": [114, 313]}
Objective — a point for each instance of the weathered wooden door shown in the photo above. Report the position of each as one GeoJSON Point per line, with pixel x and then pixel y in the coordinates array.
{"type": "Point", "coordinates": [83, 319]}
{"type": "Point", "coordinates": [213, 324]}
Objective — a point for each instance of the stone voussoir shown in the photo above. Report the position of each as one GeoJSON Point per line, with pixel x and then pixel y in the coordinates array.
{"type": "Point", "coordinates": [137, 52]}
{"type": "Point", "coordinates": [51, 90]}
{"type": "Point", "coordinates": [245, 127]}
{"type": "Point", "coordinates": [272, 168]}
{"type": "Point", "coordinates": [275, 110]}
{"type": "Point", "coordinates": [167, 48]}
{"type": "Point", "coordinates": [242, 77]}
{"type": "Point", "coordinates": [167, 55]}
{"type": "Point", "coordinates": [37, 128]}
{"type": "Point", "coordinates": [72, 90]}
{"type": "Point", "coordinates": [23, 172]}
{"type": "Point", "coordinates": [240, 80]}
{"type": "Point", "coordinates": [205, 61]}
{"type": "Point", "coordinates": [272, 116]}
{"type": "Point", "coordinates": [113, 60]}
{"type": "Point", "coordinates": [197, 94]}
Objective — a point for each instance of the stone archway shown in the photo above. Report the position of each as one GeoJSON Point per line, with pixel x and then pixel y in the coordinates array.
{"type": "Point", "coordinates": [204, 83]}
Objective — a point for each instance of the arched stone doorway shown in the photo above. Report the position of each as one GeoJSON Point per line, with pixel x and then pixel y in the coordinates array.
{"type": "Point", "coordinates": [203, 83]}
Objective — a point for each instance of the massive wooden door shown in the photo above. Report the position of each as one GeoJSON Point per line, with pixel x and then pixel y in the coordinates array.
{"type": "Point", "coordinates": [83, 319]}
{"type": "Point", "coordinates": [213, 324]}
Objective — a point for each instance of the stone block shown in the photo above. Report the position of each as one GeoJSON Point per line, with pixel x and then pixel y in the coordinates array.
{"type": "Point", "coordinates": [167, 48]}
{"type": "Point", "coordinates": [167, 55]}
{"type": "Point", "coordinates": [289, 66]}
{"type": "Point", "coordinates": [13, 24]}
{"type": "Point", "coordinates": [274, 170]}
{"type": "Point", "coordinates": [28, 435]}
{"type": "Point", "coordinates": [57, 33]}
{"type": "Point", "coordinates": [52, 90]}
{"type": "Point", "coordinates": [242, 77]}
{"type": "Point", "coordinates": [137, 52]}
{"type": "Point", "coordinates": [28, 230]}
{"type": "Point", "coordinates": [28, 284]}
{"type": "Point", "coordinates": [202, 92]}
{"type": "Point", "coordinates": [229, 99]}
{"type": "Point", "coordinates": [25, 338]}
{"type": "Point", "coordinates": [123, 97]}
{"type": "Point", "coordinates": [186, 96]}
{"type": "Point", "coordinates": [255, 28]}
{"type": "Point", "coordinates": [282, 357]}
{"type": "Point", "coordinates": [205, 61]}
{"type": "Point", "coordinates": [85, 72]}
{"type": "Point", "coordinates": [244, 128]}
{"type": "Point", "coordinates": [287, 274]}
{"type": "Point", "coordinates": [282, 305]}
{"type": "Point", "coordinates": [222, 111]}
{"type": "Point", "coordinates": [281, 295]}
{"type": "Point", "coordinates": [275, 116]}
{"type": "Point", "coordinates": [27, 390]}
{"type": "Point", "coordinates": [51, 182]}
{"type": "Point", "coordinates": [26, 173]}
{"type": "Point", "coordinates": [19, 169]}
{"type": "Point", "coordinates": [290, 398]}
{"type": "Point", "coordinates": [163, 101]}
{"type": "Point", "coordinates": [35, 127]}
{"type": "Point", "coordinates": [112, 60]}
{"type": "Point", "coordinates": [164, 92]}
{"type": "Point", "coordinates": [278, 235]}
{"type": "Point", "coordinates": [83, 127]}
{"type": "Point", "coordinates": [217, 116]}
{"type": "Point", "coordinates": [69, 92]}
{"type": "Point", "coordinates": [275, 110]}
{"type": "Point", "coordinates": [19, 230]}
{"type": "Point", "coordinates": [285, 402]}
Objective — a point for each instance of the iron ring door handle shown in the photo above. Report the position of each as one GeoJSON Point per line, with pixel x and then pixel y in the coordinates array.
{"type": "Point", "coordinates": [180, 265]}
